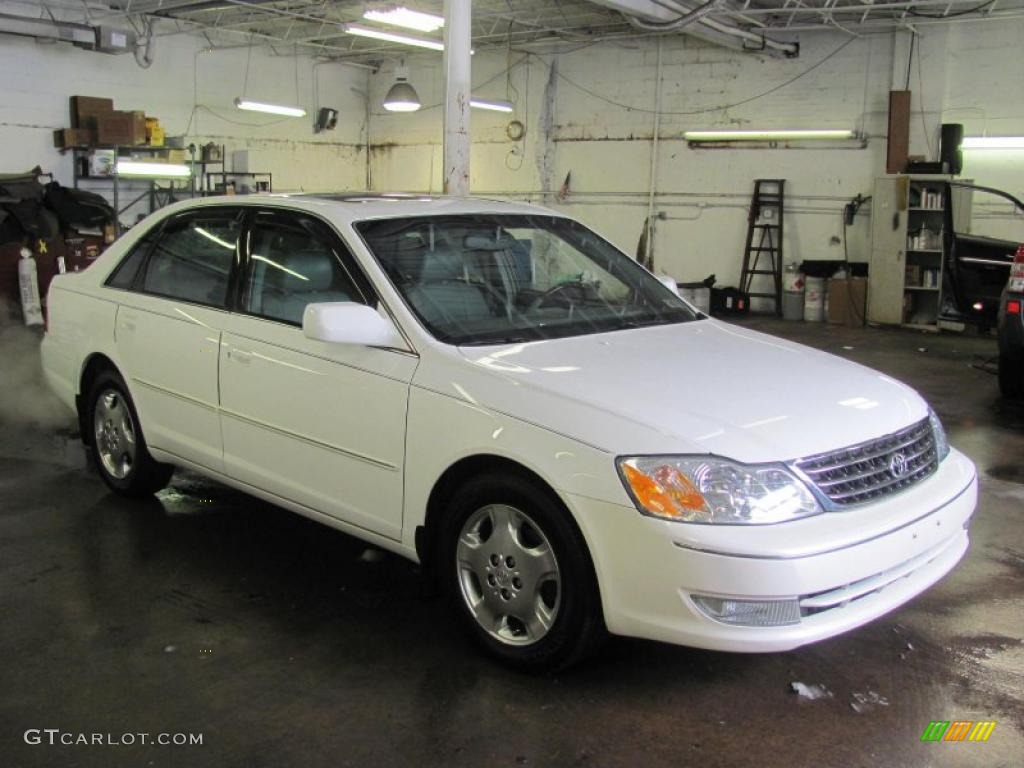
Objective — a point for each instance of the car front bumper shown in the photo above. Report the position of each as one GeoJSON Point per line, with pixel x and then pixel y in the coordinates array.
{"type": "Point", "coordinates": [845, 568]}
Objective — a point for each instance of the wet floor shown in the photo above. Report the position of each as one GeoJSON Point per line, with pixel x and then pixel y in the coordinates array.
{"type": "Point", "coordinates": [283, 643]}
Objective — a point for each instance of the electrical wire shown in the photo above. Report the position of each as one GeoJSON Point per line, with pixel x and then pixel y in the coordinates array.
{"type": "Point", "coordinates": [964, 12]}
{"type": "Point", "coordinates": [703, 110]}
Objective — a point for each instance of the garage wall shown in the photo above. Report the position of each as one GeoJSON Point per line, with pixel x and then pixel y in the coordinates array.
{"type": "Point", "coordinates": [191, 90]}
{"type": "Point", "coordinates": [588, 111]}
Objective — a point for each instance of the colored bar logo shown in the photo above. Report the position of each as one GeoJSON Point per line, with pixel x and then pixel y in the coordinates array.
{"type": "Point", "coordinates": [958, 730]}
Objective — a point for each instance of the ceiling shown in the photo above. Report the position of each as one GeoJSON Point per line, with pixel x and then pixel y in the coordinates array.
{"type": "Point", "coordinates": [318, 26]}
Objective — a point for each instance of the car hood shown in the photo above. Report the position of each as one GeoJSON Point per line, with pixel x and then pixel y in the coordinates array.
{"type": "Point", "coordinates": [697, 387]}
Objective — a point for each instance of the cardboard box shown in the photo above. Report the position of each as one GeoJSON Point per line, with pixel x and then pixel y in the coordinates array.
{"type": "Point", "coordinates": [154, 132]}
{"type": "Point", "coordinates": [85, 110]}
{"type": "Point", "coordinates": [846, 300]}
{"type": "Point", "coordinates": [125, 129]}
{"type": "Point", "coordinates": [66, 138]}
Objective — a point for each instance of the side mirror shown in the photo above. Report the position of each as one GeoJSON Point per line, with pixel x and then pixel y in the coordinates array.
{"type": "Point", "coordinates": [669, 282]}
{"type": "Point", "coordinates": [346, 322]}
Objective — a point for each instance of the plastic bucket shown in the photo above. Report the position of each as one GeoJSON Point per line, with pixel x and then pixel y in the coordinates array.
{"type": "Point", "coordinates": [814, 299]}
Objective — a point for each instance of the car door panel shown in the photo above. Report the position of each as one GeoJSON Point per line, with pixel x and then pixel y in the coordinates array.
{"type": "Point", "coordinates": [170, 353]}
{"type": "Point", "coordinates": [320, 424]}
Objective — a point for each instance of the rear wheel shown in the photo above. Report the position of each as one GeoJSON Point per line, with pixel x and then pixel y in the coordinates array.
{"type": "Point", "coordinates": [1011, 376]}
{"type": "Point", "coordinates": [517, 574]}
{"type": "Point", "coordinates": [118, 447]}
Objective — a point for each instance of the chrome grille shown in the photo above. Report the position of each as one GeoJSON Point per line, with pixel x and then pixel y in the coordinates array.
{"type": "Point", "coordinates": [874, 469]}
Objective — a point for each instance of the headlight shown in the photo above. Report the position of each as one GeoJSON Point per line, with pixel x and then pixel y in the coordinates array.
{"type": "Point", "coordinates": [941, 441]}
{"type": "Point", "coordinates": [710, 490]}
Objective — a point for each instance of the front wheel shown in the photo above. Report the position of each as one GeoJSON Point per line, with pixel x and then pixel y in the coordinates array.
{"type": "Point", "coordinates": [518, 574]}
{"type": "Point", "coordinates": [118, 447]}
{"type": "Point", "coordinates": [1011, 377]}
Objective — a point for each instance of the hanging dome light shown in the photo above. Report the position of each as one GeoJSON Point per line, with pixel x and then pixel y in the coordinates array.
{"type": "Point", "coordinates": [402, 96]}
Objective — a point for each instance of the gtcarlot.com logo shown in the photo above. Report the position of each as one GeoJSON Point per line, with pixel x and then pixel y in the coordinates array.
{"type": "Point", "coordinates": [55, 737]}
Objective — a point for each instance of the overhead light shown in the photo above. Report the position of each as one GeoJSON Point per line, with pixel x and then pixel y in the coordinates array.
{"type": "Point", "coordinates": [993, 142]}
{"type": "Point", "coordinates": [402, 97]}
{"type": "Point", "coordinates": [273, 109]}
{"type": "Point", "coordinates": [781, 135]}
{"type": "Point", "coordinates": [495, 105]}
{"type": "Point", "coordinates": [394, 37]}
{"type": "Point", "coordinates": [153, 170]}
{"type": "Point", "coordinates": [403, 17]}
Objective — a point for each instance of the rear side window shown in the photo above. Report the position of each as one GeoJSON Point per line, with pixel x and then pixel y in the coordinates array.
{"type": "Point", "coordinates": [192, 259]}
{"type": "Point", "coordinates": [124, 273]}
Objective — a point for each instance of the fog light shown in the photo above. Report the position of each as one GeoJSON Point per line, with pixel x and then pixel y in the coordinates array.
{"type": "Point", "coordinates": [749, 613]}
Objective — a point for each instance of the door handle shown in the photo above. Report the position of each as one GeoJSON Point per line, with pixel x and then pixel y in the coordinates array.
{"type": "Point", "coordinates": [240, 356]}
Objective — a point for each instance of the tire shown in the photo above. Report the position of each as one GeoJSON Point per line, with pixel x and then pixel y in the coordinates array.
{"type": "Point", "coordinates": [1011, 377]}
{"type": "Point", "coordinates": [119, 450]}
{"type": "Point", "coordinates": [517, 573]}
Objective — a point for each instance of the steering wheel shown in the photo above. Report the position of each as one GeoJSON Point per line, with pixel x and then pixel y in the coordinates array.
{"type": "Point", "coordinates": [557, 290]}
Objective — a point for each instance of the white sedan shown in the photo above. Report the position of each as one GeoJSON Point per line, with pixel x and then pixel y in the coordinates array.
{"type": "Point", "coordinates": [496, 392]}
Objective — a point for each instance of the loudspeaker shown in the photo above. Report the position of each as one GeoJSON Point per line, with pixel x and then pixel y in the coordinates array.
{"type": "Point", "coordinates": [326, 119]}
{"type": "Point", "coordinates": [949, 147]}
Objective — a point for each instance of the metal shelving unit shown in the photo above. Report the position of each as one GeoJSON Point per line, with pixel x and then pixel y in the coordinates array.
{"type": "Point", "coordinates": [117, 182]}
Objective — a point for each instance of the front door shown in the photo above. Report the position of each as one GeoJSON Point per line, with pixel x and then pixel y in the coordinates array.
{"type": "Point", "coordinates": [317, 423]}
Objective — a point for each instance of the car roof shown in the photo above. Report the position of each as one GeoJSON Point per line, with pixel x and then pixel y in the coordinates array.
{"type": "Point", "coordinates": [357, 206]}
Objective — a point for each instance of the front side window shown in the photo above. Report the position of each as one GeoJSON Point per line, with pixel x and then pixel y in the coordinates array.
{"type": "Point", "coordinates": [193, 257]}
{"type": "Point", "coordinates": [489, 279]}
{"type": "Point", "coordinates": [293, 263]}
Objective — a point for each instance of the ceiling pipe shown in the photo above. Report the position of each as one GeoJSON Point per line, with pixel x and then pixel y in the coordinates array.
{"type": "Point", "coordinates": [720, 32]}
{"type": "Point", "coordinates": [672, 26]}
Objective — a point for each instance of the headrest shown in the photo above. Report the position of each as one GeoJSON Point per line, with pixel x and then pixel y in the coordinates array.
{"type": "Point", "coordinates": [301, 271]}
{"type": "Point", "coordinates": [441, 264]}
{"type": "Point", "coordinates": [481, 242]}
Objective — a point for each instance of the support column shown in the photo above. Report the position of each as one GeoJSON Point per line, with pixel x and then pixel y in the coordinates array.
{"type": "Point", "coordinates": [457, 93]}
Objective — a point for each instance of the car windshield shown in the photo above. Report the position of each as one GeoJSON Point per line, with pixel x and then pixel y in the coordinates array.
{"type": "Point", "coordinates": [493, 279]}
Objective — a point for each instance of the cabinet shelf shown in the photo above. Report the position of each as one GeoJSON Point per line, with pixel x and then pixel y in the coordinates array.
{"type": "Point", "coordinates": [924, 250]}
{"type": "Point", "coordinates": [920, 288]}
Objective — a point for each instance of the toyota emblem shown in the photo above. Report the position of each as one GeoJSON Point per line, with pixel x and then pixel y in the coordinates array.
{"type": "Point", "coordinates": [898, 465]}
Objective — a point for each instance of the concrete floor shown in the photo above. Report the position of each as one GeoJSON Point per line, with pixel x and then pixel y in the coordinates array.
{"type": "Point", "coordinates": [205, 611]}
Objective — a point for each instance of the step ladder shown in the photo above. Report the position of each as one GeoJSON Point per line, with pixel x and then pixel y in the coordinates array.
{"type": "Point", "coordinates": [762, 254]}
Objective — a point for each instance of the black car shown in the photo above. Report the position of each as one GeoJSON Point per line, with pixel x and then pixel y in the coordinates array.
{"type": "Point", "coordinates": [1011, 331]}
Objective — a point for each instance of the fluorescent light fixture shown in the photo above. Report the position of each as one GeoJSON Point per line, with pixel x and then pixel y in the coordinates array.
{"type": "Point", "coordinates": [767, 135]}
{"type": "Point", "coordinates": [403, 17]}
{"type": "Point", "coordinates": [993, 142]}
{"type": "Point", "coordinates": [273, 109]}
{"type": "Point", "coordinates": [394, 37]}
{"type": "Point", "coordinates": [161, 170]}
{"type": "Point", "coordinates": [495, 105]}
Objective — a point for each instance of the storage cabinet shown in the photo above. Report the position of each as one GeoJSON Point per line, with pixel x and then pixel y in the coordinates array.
{"type": "Point", "coordinates": [912, 219]}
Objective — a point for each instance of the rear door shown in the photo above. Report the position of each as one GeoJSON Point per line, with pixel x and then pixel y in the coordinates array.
{"type": "Point", "coordinates": [317, 423]}
{"type": "Point", "coordinates": [168, 331]}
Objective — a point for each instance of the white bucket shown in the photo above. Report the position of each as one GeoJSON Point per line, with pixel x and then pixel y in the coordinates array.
{"type": "Point", "coordinates": [814, 299]}
{"type": "Point", "coordinates": [792, 280]}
